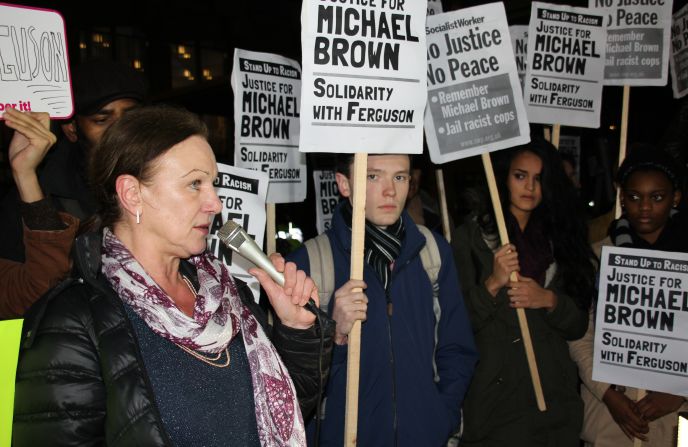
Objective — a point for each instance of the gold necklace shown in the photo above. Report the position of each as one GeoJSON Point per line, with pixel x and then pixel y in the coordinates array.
{"type": "Point", "coordinates": [191, 287]}
{"type": "Point", "coordinates": [209, 360]}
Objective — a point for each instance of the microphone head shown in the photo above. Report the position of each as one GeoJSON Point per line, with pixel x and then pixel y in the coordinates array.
{"type": "Point", "coordinates": [232, 235]}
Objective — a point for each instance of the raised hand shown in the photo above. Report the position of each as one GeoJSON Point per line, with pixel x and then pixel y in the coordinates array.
{"type": "Point", "coordinates": [31, 140]}
{"type": "Point", "coordinates": [288, 301]}
{"type": "Point", "coordinates": [350, 304]}
{"type": "Point", "coordinates": [655, 405]}
{"type": "Point", "coordinates": [625, 414]}
{"type": "Point", "coordinates": [504, 262]}
{"type": "Point", "coordinates": [527, 293]}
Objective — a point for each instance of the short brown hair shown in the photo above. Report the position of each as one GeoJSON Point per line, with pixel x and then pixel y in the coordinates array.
{"type": "Point", "coordinates": [131, 145]}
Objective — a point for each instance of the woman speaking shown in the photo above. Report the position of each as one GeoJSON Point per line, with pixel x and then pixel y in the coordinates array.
{"type": "Point", "coordinates": [155, 343]}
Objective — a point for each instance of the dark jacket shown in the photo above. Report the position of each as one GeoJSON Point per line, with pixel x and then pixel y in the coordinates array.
{"type": "Point", "coordinates": [396, 371]}
{"type": "Point", "coordinates": [500, 407]}
{"type": "Point", "coordinates": [81, 379]}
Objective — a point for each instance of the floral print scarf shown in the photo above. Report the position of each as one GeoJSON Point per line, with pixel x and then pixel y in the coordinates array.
{"type": "Point", "coordinates": [218, 316]}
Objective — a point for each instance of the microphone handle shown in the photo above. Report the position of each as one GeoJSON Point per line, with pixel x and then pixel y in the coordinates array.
{"type": "Point", "coordinates": [250, 250]}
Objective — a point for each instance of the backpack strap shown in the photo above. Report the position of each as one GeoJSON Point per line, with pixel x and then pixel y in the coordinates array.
{"type": "Point", "coordinates": [321, 267]}
{"type": "Point", "coordinates": [432, 263]}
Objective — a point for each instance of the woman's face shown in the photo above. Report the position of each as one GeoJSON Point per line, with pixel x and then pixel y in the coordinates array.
{"type": "Point", "coordinates": [180, 200]}
{"type": "Point", "coordinates": [648, 197]}
{"type": "Point", "coordinates": [523, 182]}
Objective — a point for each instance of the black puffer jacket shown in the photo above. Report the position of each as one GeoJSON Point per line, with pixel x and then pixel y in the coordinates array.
{"type": "Point", "coordinates": [81, 378]}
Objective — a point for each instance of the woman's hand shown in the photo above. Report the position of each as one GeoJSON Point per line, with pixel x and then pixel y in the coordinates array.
{"type": "Point", "coordinates": [350, 305]}
{"type": "Point", "coordinates": [655, 405]}
{"type": "Point", "coordinates": [625, 414]}
{"type": "Point", "coordinates": [505, 261]}
{"type": "Point", "coordinates": [528, 294]}
{"type": "Point", "coordinates": [288, 301]}
{"type": "Point", "coordinates": [31, 140]}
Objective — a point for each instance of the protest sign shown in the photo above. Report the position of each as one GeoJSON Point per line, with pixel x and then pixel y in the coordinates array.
{"type": "Point", "coordinates": [571, 145]}
{"type": "Point", "coordinates": [363, 76]}
{"type": "Point", "coordinates": [267, 90]}
{"type": "Point", "coordinates": [474, 97]}
{"type": "Point", "coordinates": [519, 42]}
{"type": "Point", "coordinates": [242, 193]}
{"type": "Point", "coordinates": [10, 336]}
{"type": "Point", "coordinates": [679, 53]}
{"type": "Point", "coordinates": [563, 82]}
{"type": "Point", "coordinates": [637, 40]}
{"type": "Point", "coordinates": [326, 198]}
{"type": "Point", "coordinates": [434, 7]}
{"type": "Point", "coordinates": [34, 65]}
{"type": "Point", "coordinates": [641, 329]}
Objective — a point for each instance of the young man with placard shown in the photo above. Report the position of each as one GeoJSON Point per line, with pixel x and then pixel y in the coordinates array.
{"type": "Point", "coordinates": [417, 349]}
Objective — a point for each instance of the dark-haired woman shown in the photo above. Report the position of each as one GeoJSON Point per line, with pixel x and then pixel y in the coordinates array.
{"type": "Point", "coordinates": [155, 343]}
{"type": "Point", "coordinates": [554, 263]}
{"type": "Point", "coordinates": [649, 190]}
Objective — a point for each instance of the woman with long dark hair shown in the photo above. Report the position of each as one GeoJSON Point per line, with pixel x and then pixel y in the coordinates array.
{"type": "Point", "coordinates": [650, 193]}
{"type": "Point", "coordinates": [555, 269]}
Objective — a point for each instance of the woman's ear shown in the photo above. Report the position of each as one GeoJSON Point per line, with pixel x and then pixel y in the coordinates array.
{"type": "Point", "coordinates": [677, 198]}
{"type": "Point", "coordinates": [343, 184]}
{"type": "Point", "coordinates": [128, 190]}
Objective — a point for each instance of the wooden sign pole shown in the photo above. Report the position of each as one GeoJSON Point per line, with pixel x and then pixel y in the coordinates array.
{"type": "Point", "coordinates": [623, 138]}
{"type": "Point", "coordinates": [640, 394]}
{"type": "Point", "coordinates": [623, 141]}
{"type": "Point", "coordinates": [439, 175]}
{"type": "Point", "coordinates": [547, 133]}
{"type": "Point", "coordinates": [270, 228]}
{"type": "Point", "coordinates": [354, 339]}
{"type": "Point", "coordinates": [522, 320]}
{"type": "Point", "coordinates": [556, 133]}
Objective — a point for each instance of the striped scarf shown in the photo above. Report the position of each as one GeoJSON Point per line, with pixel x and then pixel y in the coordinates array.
{"type": "Point", "coordinates": [382, 246]}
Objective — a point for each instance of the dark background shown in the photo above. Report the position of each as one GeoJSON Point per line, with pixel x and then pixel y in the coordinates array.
{"type": "Point", "coordinates": [184, 48]}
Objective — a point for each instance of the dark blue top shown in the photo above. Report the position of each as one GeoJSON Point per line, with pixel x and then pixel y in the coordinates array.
{"type": "Point", "coordinates": [399, 402]}
{"type": "Point", "coordinates": [200, 404]}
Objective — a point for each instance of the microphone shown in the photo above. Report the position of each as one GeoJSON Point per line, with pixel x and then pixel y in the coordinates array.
{"type": "Point", "coordinates": [236, 238]}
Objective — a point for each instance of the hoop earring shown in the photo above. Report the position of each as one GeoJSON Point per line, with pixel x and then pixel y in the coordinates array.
{"type": "Point", "coordinates": [138, 216]}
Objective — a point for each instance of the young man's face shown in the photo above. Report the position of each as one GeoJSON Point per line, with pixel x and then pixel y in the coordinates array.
{"type": "Point", "coordinates": [89, 129]}
{"type": "Point", "coordinates": [387, 186]}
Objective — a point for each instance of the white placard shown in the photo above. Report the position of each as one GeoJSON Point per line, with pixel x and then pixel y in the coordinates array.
{"type": "Point", "coordinates": [519, 42]}
{"type": "Point", "coordinates": [326, 198]}
{"type": "Point", "coordinates": [34, 64]}
{"type": "Point", "coordinates": [267, 90]}
{"type": "Point", "coordinates": [679, 53]}
{"type": "Point", "coordinates": [637, 40]}
{"type": "Point", "coordinates": [363, 76]}
{"type": "Point", "coordinates": [475, 103]}
{"type": "Point", "coordinates": [641, 329]}
{"type": "Point", "coordinates": [242, 193]}
{"type": "Point", "coordinates": [434, 7]}
{"type": "Point", "coordinates": [566, 48]}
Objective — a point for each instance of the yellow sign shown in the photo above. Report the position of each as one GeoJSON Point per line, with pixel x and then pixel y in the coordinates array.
{"type": "Point", "coordinates": [10, 336]}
